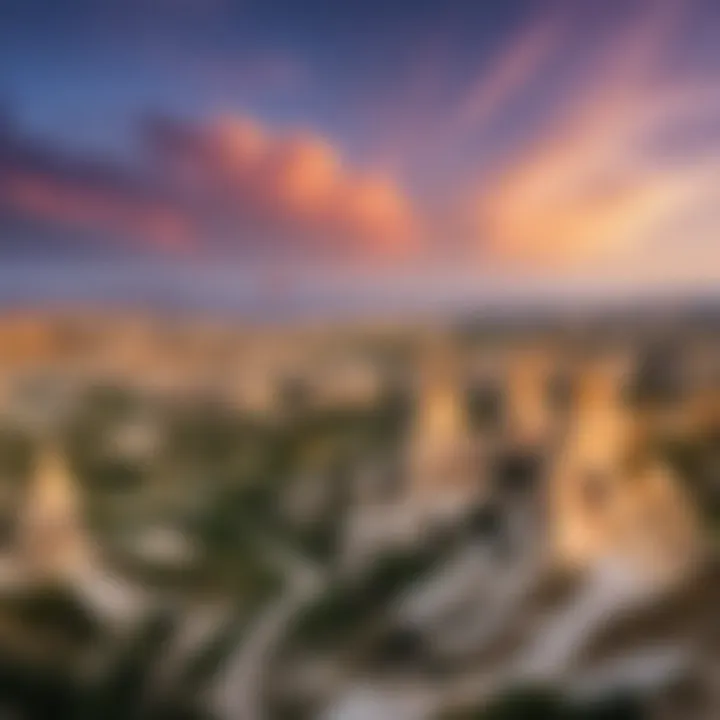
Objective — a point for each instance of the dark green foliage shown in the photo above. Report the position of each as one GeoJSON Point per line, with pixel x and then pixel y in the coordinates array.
{"type": "Point", "coordinates": [343, 611]}
{"type": "Point", "coordinates": [697, 461]}
{"type": "Point", "coordinates": [546, 704]}
{"type": "Point", "coordinates": [485, 406]}
{"type": "Point", "coordinates": [109, 402]}
{"type": "Point", "coordinates": [131, 686]}
{"type": "Point", "coordinates": [216, 445]}
{"type": "Point", "coordinates": [526, 704]}
{"type": "Point", "coordinates": [128, 687]}
{"type": "Point", "coordinates": [658, 379]}
{"type": "Point", "coordinates": [209, 433]}
{"type": "Point", "coordinates": [33, 693]}
{"type": "Point", "coordinates": [114, 475]}
{"type": "Point", "coordinates": [560, 393]}
{"type": "Point", "coordinates": [101, 412]}
{"type": "Point", "coordinates": [202, 668]}
{"type": "Point", "coordinates": [53, 612]}
{"type": "Point", "coordinates": [124, 688]}
{"type": "Point", "coordinates": [16, 453]}
{"type": "Point", "coordinates": [620, 707]}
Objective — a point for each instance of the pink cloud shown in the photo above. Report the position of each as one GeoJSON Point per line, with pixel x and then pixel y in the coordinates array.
{"type": "Point", "coordinates": [594, 183]}
{"type": "Point", "coordinates": [294, 185]}
{"type": "Point", "coordinates": [230, 186]}
{"type": "Point", "coordinates": [49, 199]}
{"type": "Point", "coordinates": [508, 75]}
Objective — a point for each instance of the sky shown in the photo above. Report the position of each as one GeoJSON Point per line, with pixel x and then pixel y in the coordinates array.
{"type": "Point", "coordinates": [411, 149]}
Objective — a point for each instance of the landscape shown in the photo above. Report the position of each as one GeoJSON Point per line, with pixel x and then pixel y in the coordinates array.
{"type": "Point", "coordinates": [360, 360]}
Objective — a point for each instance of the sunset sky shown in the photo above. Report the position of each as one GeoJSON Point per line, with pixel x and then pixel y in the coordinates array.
{"type": "Point", "coordinates": [374, 151]}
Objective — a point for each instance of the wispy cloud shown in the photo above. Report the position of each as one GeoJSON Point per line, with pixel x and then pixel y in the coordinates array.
{"type": "Point", "coordinates": [295, 187]}
{"type": "Point", "coordinates": [515, 66]}
{"type": "Point", "coordinates": [597, 179]}
{"type": "Point", "coordinates": [231, 186]}
{"type": "Point", "coordinates": [84, 208]}
{"type": "Point", "coordinates": [574, 139]}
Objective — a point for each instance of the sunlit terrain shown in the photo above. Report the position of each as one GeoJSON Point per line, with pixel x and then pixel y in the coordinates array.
{"type": "Point", "coordinates": [421, 520]}
{"type": "Point", "coordinates": [359, 360]}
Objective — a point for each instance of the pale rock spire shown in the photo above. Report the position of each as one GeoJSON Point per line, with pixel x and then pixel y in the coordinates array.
{"type": "Point", "coordinates": [52, 543]}
{"type": "Point", "coordinates": [441, 454]}
{"type": "Point", "coordinates": [609, 500]}
{"type": "Point", "coordinates": [528, 411]}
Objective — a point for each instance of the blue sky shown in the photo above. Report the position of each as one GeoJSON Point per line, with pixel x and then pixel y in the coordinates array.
{"type": "Point", "coordinates": [519, 143]}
